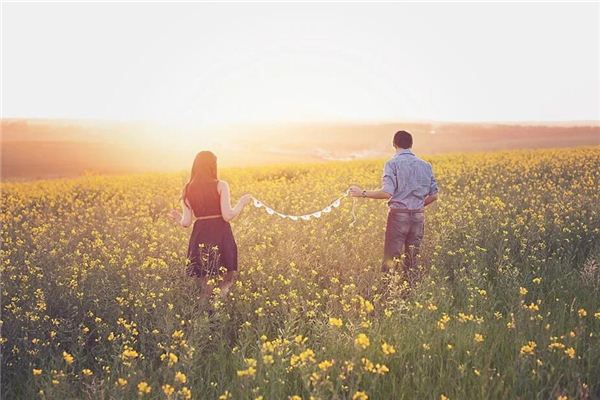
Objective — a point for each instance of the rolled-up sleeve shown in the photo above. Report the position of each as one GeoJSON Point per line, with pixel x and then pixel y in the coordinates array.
{"type": "Point", "coordinates": [388, 182]}
{"type": "Point", "coordinates": [433, 187]}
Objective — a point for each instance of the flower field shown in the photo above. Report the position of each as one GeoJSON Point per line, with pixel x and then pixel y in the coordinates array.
{"type": "Point", "coordinates": [96, 304]}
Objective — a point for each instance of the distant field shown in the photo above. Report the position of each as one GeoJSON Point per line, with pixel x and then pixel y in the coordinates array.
{"type": "Point", "coordinates": [50, 149]}
{"type": "Point", "coordinates": [95, 302]}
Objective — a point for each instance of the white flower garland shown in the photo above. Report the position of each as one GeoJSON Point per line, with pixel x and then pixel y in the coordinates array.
{"type": "Point", "coordinates": [305, 217]}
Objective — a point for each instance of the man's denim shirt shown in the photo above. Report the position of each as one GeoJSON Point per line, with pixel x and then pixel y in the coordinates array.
{"type": "Point", "coordinates": [409, 180]}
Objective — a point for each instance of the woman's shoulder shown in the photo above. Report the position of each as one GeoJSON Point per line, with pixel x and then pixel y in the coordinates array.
{"type": "Point", "coordinates": [221, 184]}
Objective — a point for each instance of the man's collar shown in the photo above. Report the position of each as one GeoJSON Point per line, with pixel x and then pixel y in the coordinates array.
{"type": "Point", "coordinates": [404, 151]}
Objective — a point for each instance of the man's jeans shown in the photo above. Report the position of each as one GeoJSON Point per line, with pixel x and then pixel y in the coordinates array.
{"type": "Point", "coordinates": [403, 235]}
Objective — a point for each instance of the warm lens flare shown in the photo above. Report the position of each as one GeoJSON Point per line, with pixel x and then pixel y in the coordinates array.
{"type": "Point", "coordinates": [38, 149]}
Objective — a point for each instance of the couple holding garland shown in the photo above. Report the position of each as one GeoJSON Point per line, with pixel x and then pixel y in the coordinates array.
{"type": "Point", "coordinates": [408, 185]}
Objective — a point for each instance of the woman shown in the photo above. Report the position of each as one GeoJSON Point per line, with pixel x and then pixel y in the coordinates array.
{"type": "Point", "coordinates": [211, 245]}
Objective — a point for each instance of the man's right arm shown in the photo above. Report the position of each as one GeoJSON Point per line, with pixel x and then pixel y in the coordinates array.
{"type": "Point", "coordinates": [388, 186]}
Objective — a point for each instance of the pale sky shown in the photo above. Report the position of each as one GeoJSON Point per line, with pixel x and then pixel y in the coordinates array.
{"type": "Point", "coordinates": [234, 63]}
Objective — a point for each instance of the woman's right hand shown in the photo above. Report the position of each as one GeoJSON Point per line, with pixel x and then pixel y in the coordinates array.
{"type": "Point", "coordinates": [246, 199]}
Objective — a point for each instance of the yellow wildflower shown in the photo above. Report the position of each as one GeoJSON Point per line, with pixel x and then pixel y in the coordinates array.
{"type": "Point", "coordinates": [360, 396]}
{"type": "Point", "coordinates": [250, 370]}
{"type": "Point", "coordinates": [532, 307]}
{"type": "Point", "coordinates": [68, 358]}
{"type": "Point", "coordinates": [387, 349]}
{"type": "Point", "coordinates": [381, 369]}
{"type": "Point", "coordinates": [528, 349]}
{"type": "Point", "coordinates": [362, 341]}
{"type": "Point", "coordinates": [143, 388]}
{"type": "Point", "coordinates": [186, 393]}
{"type": "Point", "coordinates": [180, 377]}
{"type": "Point", "coordinates": [177, 335]}
{"type": "Point", "coordinates": [168, 389]}
{"type": "Point", "coordinates": [556, 345]}
{"type": "Point", "coordinates": [268, 359]}
{"type": "Point", "coordinates": [129, 353]}
{"type": "Point", "coordinates": [570, 352]}
{"type": "Point", "coordinates": [443, 321]}
{"type": "Point", "coordinates": [325, 364]}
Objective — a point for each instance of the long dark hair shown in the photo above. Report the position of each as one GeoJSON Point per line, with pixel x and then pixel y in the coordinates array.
{"type": "Point", "coordinates": [204, 170]}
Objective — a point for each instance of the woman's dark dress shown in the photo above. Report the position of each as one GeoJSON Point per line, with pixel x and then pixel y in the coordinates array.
{"type": "Point", "coordinates": [212, 244]}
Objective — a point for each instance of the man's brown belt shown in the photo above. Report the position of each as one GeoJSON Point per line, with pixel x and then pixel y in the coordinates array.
{"type": "Point", "coordinates": [406, 211]}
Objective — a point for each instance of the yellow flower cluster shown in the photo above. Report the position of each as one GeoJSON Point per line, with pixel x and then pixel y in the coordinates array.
{"type": "Point", "coordinates": [250, 370]}
{"type": "Point", "coordinates": [528, 348]}
{"type": "Point", "coordinates": [362, 341]}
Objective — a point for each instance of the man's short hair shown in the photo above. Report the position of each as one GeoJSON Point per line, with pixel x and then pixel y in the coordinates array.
{"type": "Point", "coordinates": [403, 139]}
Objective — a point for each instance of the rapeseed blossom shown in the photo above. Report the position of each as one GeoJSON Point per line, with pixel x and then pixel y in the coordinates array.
{"type": "Point", "coordinates": [387, 349]}
{"type": "Point", "coordinates": [362, 341]}
{"type": "Point", "coordinates": [528, 348]}
{"type": "Point", "coordinates": [143, 388]}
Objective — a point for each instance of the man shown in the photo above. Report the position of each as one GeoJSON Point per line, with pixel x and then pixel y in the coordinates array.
{"type": "Point", "coordinates": [409, 186]}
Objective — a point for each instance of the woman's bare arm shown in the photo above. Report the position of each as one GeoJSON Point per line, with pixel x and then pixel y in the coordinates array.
{"type": "Point", "coordinates": [228, 212]}
{"type": "Point", "coordinates": [187, 215]}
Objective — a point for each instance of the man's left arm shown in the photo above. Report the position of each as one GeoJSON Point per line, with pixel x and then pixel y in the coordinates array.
{"type": "Point", "coordinates": [433, 190]}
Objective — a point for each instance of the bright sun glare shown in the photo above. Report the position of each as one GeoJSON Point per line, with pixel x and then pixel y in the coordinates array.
{"type": "Point", "coordinates": [198, 65]}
